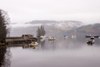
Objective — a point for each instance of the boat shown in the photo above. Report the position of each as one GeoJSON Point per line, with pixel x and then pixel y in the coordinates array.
{"type": "Point", "coordinates": [43, 38]}
{"type": "Point", "coordinates": [65, 36]}
{"type": "Point", "coordinates": [91, 39]}
{"type": "Point", "coordinates": [90, 42]}
{"type": "Point", "coordinates": [73, 36]}
{"type": "Point", "coordinates": [33, 44]}
{"type": "Point", "coordinates": [51, 38]}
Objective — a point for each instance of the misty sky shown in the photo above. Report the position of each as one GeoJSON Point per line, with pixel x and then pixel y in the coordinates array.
{"type": "Point", "coordinates": [87, 11]}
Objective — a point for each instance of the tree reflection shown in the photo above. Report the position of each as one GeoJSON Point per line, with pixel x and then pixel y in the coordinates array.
{"type": "Point", "coordinates": [2, 53]}
{"type": "Point", "coordinates": [39, 40]}
{"type": "Point", "coordinates": [43, 44]}
{"type": "Point", "coordinates": [5, 56]}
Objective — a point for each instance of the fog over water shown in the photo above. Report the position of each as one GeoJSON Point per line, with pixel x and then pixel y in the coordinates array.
{"type": "Point", "coordinates": [58, 53]}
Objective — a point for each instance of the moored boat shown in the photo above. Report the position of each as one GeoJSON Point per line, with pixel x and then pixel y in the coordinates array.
{"type": "Point", "coordinates": [51, 38]}
{"type": "Point", "coordinates": [33, 44]}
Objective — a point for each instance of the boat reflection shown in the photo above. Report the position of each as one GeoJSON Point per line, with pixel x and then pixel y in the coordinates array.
{"type": "Point", "coordinates": [51, 40]}
{"type": "Point", "coordinates": [27, 46]}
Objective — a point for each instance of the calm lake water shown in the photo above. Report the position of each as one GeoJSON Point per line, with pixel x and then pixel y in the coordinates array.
{"type": "Point", "coordinates": [57, 53]}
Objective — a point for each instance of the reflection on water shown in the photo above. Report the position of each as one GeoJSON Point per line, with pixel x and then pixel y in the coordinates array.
{"type": "Point", "coordinates": [57, 53]}
{"type": "Point", "coordinates": [5, 56]}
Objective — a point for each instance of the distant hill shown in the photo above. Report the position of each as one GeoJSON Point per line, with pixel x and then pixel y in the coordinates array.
{"type": "Point", "coordinates": [93, 29]}
{"type": "Point", "coordinates": [51, 27]}
{"type": "Point", "coordinates": [57, 23]}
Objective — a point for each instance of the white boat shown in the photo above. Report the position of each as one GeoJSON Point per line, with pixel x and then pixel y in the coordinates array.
{"type": "Point", "coordinates": [33, 44]}
{"type": "Point", "coordinates": [43, 38]}
{"type": "Point", "coordinates": [51, 38]}
{"type": "Point", "coordinates": [73, 36]}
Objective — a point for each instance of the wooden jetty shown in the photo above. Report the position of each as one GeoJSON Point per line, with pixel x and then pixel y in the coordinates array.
{"type": "Point", "coordinates": [26, 38]}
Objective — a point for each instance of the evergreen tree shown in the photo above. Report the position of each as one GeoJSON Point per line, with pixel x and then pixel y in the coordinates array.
{"type": "Point", "coordinates": [41, 31]}
{"type": "Point", "coordinates": [3, 24]}
{"type": "Point", "coordinates": [38, 32]}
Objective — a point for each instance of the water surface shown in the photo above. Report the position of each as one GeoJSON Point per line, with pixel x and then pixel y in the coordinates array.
{"type": "Point", "coordinates": [57, 53]}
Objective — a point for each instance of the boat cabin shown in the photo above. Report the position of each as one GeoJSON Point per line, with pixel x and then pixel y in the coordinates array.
{"type": "Point", "coordinates": [27, 36]}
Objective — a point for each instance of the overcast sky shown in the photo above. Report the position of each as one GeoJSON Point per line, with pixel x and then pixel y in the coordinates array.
{"type": "Point", "coordinates": [87, 11]}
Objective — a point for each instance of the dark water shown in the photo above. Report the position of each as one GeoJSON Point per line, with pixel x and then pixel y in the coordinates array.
{"type": "Point", "coordinates": [57, 53]}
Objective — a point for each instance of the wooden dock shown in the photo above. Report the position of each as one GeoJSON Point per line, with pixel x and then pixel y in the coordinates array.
{"type": "Point", "coordinates": [18, 40]}
{"type": "Point", "coordinates": [25, 38]}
